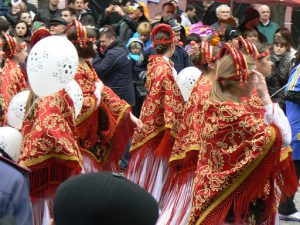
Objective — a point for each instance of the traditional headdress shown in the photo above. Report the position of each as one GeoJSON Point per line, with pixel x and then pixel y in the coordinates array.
{"type": "Point", "coordinates": [249, 47]}
{"type": "Point", "coordinates": [240, 64]}
{"type": "Point", "coordinates": [206, 52]}
{"type": "Point", "coordinates": [81, 34]}
{"type": "Point", "coordinates": [13, 46]}
{"type": "Point", "coordinates": [263, 54]}
{"type": "Point", "coordinates": [160, 28]}
{"type": "Point", "coordinates": [39, 35]}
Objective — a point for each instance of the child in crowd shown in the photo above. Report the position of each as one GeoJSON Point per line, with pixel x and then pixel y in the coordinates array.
{"type": "Point", "coordinates": [135, 47]}
{"type": "Point", "coordinates": [251, 35]}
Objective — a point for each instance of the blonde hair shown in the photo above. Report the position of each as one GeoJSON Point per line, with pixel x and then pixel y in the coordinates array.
{"type": "Point", "coordinates": [144, 28]}
{"type": "Point", "coordinates": [226, 69]}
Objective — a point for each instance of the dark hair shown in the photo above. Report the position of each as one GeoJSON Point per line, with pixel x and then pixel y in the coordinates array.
{"type": "Point", "coordinates": [194, 37]}
{"type": "Point", "coordinates": [167, 3]}
{"type": "Point", "coordinates": [20, 14]}
{"type": "Point", "coordinates": [108, 31]}
{"type": "Point", "coordinates": [4, 25]}
{"type": "Point", "coordinates": [297, 56]}
{"type": "Point", "coordinates": [72, 11]}
{"type": "Point", "coordinates": [14, 33]}
{"type": "Point", "coordinates": [86, 51]}
{"type": "Point", "coordinates": [6, 47]}
{"type": "Point", "coordinates": [162, 48]}
{"type": "Point", "coordinates": [286, 34]}
{"type": "Point", "coordinates": [189, 7]}
{"type": "Point", "coordinates": [283, 41]}
{"type": "Point", "coordinates": [250, 32]}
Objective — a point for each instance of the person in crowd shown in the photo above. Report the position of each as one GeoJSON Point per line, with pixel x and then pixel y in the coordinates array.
{"type": "Point", "coordinates": [168, 11]}
{"type": "Point", "coordinates": [222, 13]}
{"type": "Point", "coordinates": [224, 25]}
{"type": "Point", "coordinates": [143, 33]}
{"type": "Point", "coordinates": [232, 37]}
{"type": "Point", "coordinates": [190, 12]}
{"type": "Point", "coordinates": [161, 113]}
{"type": "Point", "coordinates": [84, 16]}
{"type": "Point", "coordinates": [14, 192]}
{"type": "Point", "coordinates": [285, 33]}
{"type": "Point", "coordinates": [15, 9]}
{"type": "Point", "coordinates": [102, 196]}
{"type": "Point", "coordinates": [25, 16]}
{"type": "Point", "coordinates": [193, 49]}
{"type": "Point", "coordinates": [250, 22]}
{"type": "Point", "coordinates": [282, 65]}
{"type": "Point", "coordinates": [266, 26]}
{"type": "Point", "coordinates": [287, 209]}
{"type": "Point", "coordinates": [31, 8]}
{"type": "Point", "coordinates": [21, 30]}
{"type": "Point", "coordinates": [178, 10]}
{"type": "Point", "coordinates": [51, 12]}
{"type": "Point", "coordinates": [251, 35]}
{"type": "Point", "coordinates": [135, 47]}
{"type": "Point", "coordinates": [13, 78]}
{"type": "Point", "coordinates": [58, 26]}
{"type": "Point", "coordinates": [68, 14]}
{"type": "Point", "coordinates": [4, 25]}
{"type": "Point", "coordinates": [113, 66]}
{"type": "Point", "coordinates": [247, 200]}
{"type": "Point", "coordinates": [264, 64]}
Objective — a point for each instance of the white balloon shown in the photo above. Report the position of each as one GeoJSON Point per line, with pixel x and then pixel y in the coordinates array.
{"type": "Point", "coordinates": [10, 142]}
{"type": "Point", "coordinates": [74, 91]}
{"type": "Point", "coordinates": [16, 109]}
{"type": "Point", "coordinates": [186, 80]}
{"type": "Point", "coordinates": [52, 64]}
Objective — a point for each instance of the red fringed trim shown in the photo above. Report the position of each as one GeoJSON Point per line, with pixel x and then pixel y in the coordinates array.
{"type": "Point", "coordinates": [107, 122]}
{"type": "Point", "coordinates": [120, 140]}
{"type": "Point", "coordinates": [251, 189]}
{"type": "Point", "coordinates": [46, 176]}
{"type": "Point", "coordinates": [287, 178]}
{"type": "Point", "coordinates": [186, 165]}
{"type": "Point", "coordinates": [165, 146]}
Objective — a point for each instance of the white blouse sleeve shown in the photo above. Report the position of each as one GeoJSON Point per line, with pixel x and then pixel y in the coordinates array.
{"type": "Point", "coordinates": [98, 93]}
{"type": "Point", "coordinates": [274, 114]}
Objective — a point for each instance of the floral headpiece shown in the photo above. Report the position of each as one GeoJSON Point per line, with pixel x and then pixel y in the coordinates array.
{"type": "Point", "coordinates": [241, 67]}
{"type": "Point", "coordinates": [160, 28]}
{"type": "Point", "coordinates": [81, 34]}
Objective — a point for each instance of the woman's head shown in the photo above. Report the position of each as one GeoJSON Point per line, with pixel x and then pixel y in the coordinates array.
{"type": "Point", "coordinates": [21, 28]}
{"type": "Point", "coordinates": [233, 77]}
{"type": "Point", "coordinates": [17, 8]}
{"type": "Point", "coordinates": [263, 62]}
{"type": "Point", "coordinates": [251, 35]}
{"type": "Point", "coordinates": [284, 33]}
{"type": "Point", "coordinates": [83, 39]}
{"type": "Point", "coordinates": [281, 46]}
{"type": "Point", "coordinates": [15, 48]}
{"type": "Point", "coordinates": [162, 37]}
{"type": "Point", "coordinates": [25, 16]}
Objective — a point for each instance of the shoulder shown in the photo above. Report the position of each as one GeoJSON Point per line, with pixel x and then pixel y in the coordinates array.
{"type": "Point", "coordinates": [9, 174]}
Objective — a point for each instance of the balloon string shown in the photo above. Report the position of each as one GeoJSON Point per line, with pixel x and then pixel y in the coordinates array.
{"type": "Point", "coordinates": [279, 90]}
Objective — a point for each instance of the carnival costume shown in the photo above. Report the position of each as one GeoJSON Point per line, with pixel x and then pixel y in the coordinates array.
{"type": "Point", "coordinates": [103, 125]}
{"type": "Point", "coordinates": [161, 115]}
{"type": "Point", "coordinates": [13, 79]}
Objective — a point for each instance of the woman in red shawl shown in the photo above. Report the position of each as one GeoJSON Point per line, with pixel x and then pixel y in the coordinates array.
{"type": "Point", "coordinates": [160, 115]}
{"type": "Point", "coordinates": [105, 123]}
{"type": "Point", "coordinates": [13, 79]}
{"type": "Point", "coordinates": [235, 179]}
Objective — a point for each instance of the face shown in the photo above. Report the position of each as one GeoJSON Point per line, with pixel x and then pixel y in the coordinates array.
{"type": "Point", "coordinates": [79, 4]}
{"type": "Point", "coordinates": [66, 15]}
{"type": "Point", "coordinates": [224, 13]}
{"type": "Point", "coordinates": [27, 18]}
{"type": "Point", "coordinates": [264, 66]}
{"type": "Point", "coordinates": [135, 14]}
{"type": "Point", "coordinates": [105, 41]}
{"type": "Point", "coordinates": [235, 42]}
{"type": "Point", "coordinates": [144, 37]}
{"type": "Point", "coordinates": [264, 13]}
{"type": "Point", "coordinates": [279, 49]}
{"type": "Point", "coordinates": [54, 2]}
{"type": "Point", "coordinates": [15, 9]}
{"type": "Point", "coordinates": [252, 38]}
{"type": "Point", "coordinates": [177, 36]}
{"type": "Point", "coordinates": [191, 13]}
{"type": "Point", "coordinates": [222, 29]}
{"type": "Point", "coordinates": [21, 29]}
{"type": "Point", "coordinates": [168, 10]}
{"type": "Point", "coordinates": [22, 55]}
{"type": "Point", "coordinates": [57, 29]}
{"type": "Point", "coordinates": [278, 35]}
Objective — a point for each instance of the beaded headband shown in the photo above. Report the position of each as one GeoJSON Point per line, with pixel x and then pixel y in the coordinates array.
{"type": "Point", "coordinates": [206, 52]}
{"type": "Point", "coordinates": [249, 47]}
{"type": "Point", "coordinates": [240, 64]}
{"type": "Point", "coordinates": [81, 34]}
{"type": "Point", "coordinates": [12, 44]}
{"type": "Point", "coordinates": [264, 54]}
{"type": "Point", "coordinates": [160, 28]}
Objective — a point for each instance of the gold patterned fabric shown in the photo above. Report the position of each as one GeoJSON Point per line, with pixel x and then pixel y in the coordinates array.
{"type": "Point", "coordinates": [49, 146]}
{"type": "Point", "coordinates": [12, 81]}
{"type": "Point", "coordinates": [162, 109]}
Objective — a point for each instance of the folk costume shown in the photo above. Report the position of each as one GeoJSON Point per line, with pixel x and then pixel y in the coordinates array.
{"type": "Point", "coordinates": [13, 80]}
{"type": "Point", "coordinates": [103, 125]}
{"type": "Point", "coordinates": [237, 170]}
{"type": "Point", "coordinates": [161, 115]}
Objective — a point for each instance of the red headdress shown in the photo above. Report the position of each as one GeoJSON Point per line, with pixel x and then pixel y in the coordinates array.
{"type": "Point", "coordinates": [39, 35]}
{"type": "Point", "coordinates": [263, 54]}
{"type": "Point", "coordinates": [160, 28]}
{"type": "Point", "coordinates": [81, 34]}
{"type": "Point", "coordinates": [12, 44]}
{"type": "Point", "coordinates": [206, 52]}
{"type": "Point", "coordinates": [241, 67]}
{"type": "Point", "coordinates": [249, 47]}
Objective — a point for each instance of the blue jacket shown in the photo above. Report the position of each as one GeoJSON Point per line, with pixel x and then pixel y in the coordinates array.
{"type": "Point", "coordinates": [14, 194]}
{"type": "Point", "coordinates": [114, 68]}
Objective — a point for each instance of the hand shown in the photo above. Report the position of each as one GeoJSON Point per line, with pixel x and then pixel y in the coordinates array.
{"type": "Point", "coordinates": [136, 121]}
{"type": "Point", "coordinates": [98, 91]}
{"type": "Point", "coordinates": [109, 9]}
{"type": "Point", "coordinates": [118, 10]}
{"type": "Point", "coordinates": [261, 87]}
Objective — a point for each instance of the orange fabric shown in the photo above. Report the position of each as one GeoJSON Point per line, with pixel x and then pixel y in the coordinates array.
{"type": "Point", "coordinates": [49, 146]}
{"type": "Point", "coordinates": [12, 81]}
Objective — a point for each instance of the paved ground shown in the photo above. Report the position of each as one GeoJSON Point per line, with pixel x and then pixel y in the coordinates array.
{"type": "Point", "coordinates": [297, 201]}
